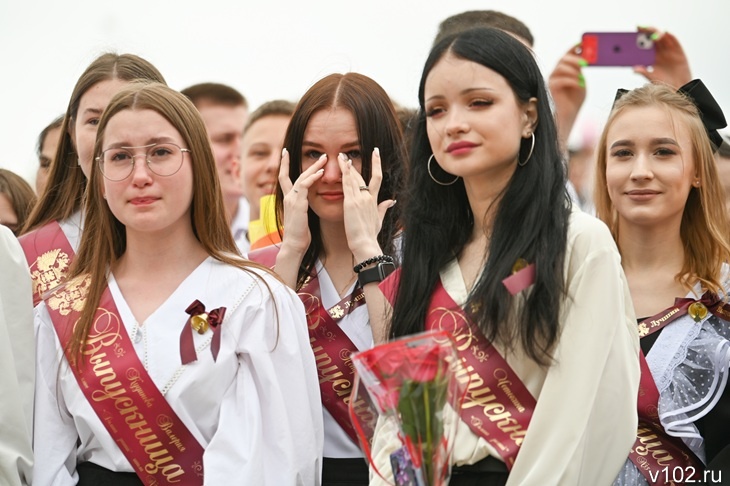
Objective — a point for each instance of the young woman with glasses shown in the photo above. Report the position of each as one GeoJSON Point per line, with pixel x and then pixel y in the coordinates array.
{"type": "Point", "coordinates": [166, 357]}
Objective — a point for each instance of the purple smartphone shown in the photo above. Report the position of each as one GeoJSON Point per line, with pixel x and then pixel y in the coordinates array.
{"type": "Point", "coordinates": [618, 49]}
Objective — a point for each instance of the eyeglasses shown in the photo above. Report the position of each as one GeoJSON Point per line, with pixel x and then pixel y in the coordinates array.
{"type": "Point", "coordinates": [163, 159]}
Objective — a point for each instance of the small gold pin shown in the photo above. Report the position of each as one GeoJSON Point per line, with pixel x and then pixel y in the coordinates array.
{"type": "Point", "coordinates": [336, 312]}
{"type": "Point", "coordinates": [199, 323]}
{"type": "Point", "coordinates": [697, 311]}
{"type": "Point", "coordinates": [519, 265]}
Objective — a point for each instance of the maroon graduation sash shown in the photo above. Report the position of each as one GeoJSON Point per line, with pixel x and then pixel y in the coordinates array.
{"type": "Point", "coordinates": [331, 346]}
{"type": "Point", "coordinates": [696, 308]}
{"type": "Point", "coordinates": [49, 255]}
{"type": "Point", "coordinates": [654, 451]}
{"type": "Point", "coordinates": [497, 406]}
{"type": "Point", "coordinates": [135, 413]}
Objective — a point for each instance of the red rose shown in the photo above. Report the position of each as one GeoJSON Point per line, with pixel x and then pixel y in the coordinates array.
{"type": "Point", "coordinates": [422, 366]}
{"type": "Point", "coordinates": [410, 379]}
{"type": "Point", "coordinates": [390, 361]}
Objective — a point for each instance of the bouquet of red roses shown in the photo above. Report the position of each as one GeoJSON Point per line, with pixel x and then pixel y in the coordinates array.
{"type": "Point", "coordinates": [412, 380]}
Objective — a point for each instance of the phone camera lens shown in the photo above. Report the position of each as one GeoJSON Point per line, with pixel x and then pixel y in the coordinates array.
{"type": "Point", "coordinates": [643, 41]}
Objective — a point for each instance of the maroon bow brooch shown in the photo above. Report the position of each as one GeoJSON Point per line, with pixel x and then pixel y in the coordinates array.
{"type": "Point", "coordinates": [200, 321]}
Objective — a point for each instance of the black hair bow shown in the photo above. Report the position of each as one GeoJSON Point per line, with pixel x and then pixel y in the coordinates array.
{"type": "Point", "coordinates": [710, 112]}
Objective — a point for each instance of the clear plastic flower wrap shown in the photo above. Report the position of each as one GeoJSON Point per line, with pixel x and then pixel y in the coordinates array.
{"type": "Point", "coordinates": [413, 381]}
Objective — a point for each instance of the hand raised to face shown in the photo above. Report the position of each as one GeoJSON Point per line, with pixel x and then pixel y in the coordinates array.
{"type": "Point", "coordinates": [296, 203]}
{"type": "Point", "coordinates": [363, 216]}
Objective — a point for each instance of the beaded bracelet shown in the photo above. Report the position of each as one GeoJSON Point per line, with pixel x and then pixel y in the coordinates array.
{"type": "Point", "coordinates": [369, 261]}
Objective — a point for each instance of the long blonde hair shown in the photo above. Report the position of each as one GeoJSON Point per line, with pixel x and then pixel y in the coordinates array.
{"type": "Point", "coordinates": [704, 228]}
{"type": "Point", "coordinates": [104, 238]}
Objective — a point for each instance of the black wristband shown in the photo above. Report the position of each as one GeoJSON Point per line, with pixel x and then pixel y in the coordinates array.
{"type": "Point", "coordinates": [375, 274]}
{"type": "Point", "coordinates": [376, 259]}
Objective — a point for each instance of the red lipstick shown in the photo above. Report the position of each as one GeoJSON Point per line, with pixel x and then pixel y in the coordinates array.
{"type": "Point", "coordinates": [458, 148]}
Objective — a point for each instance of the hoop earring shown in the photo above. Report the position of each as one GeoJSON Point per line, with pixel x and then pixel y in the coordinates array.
{"type": "Point", "coordinates": [456, 178]}
{"type": "Point", "coordinates": [532, 147]}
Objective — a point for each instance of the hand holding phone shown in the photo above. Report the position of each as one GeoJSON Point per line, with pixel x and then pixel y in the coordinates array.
{"type": "Point", "coordinates": [618, 49]}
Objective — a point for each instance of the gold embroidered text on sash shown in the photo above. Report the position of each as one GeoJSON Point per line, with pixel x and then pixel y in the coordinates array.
{"type": "Point", "coordinates": [131, 407]}
{"type": "Point", "coordinates": [497, 406]}
{"type": "Point", "coordinates": [331, 347]}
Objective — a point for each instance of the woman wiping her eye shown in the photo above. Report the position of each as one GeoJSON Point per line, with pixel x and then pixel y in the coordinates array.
{"type": "Point", "coordinates": [340, 173]}
{"type": "Point", "coordinates": [166, 358]}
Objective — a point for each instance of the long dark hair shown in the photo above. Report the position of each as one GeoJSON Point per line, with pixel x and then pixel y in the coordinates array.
{"type": "Point", "coordinates": [377, 126]}
{"type": "Point", "coordinates": [530, 217]}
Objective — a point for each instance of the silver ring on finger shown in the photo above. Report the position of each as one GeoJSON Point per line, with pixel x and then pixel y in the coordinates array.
{"type": "Point", "coordinates": [364, 188]}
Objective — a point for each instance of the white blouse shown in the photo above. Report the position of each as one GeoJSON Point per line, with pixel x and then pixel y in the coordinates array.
{"type": "Point", "coordinates": [256, 411]}
{"type": "Point", "coordinates": [356, 325]}
{"type": "Point", "coordinates": [690, 364]}
{"type": "Point", "coordinates": [72, 228]}
{"type": "Point", "coordinates": [239, 225]}
{"type": "Point", "coordinates": [16, 362]}
{"type": "Point", "coordinates": [585, 420]}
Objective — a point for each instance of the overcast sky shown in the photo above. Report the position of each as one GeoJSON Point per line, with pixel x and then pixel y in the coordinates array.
{"type": "Point", "coordinates": [277, 49]}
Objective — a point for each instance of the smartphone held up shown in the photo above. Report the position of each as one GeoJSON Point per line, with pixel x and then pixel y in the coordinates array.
{"type": "Point", "coordinates": [618, 49]}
